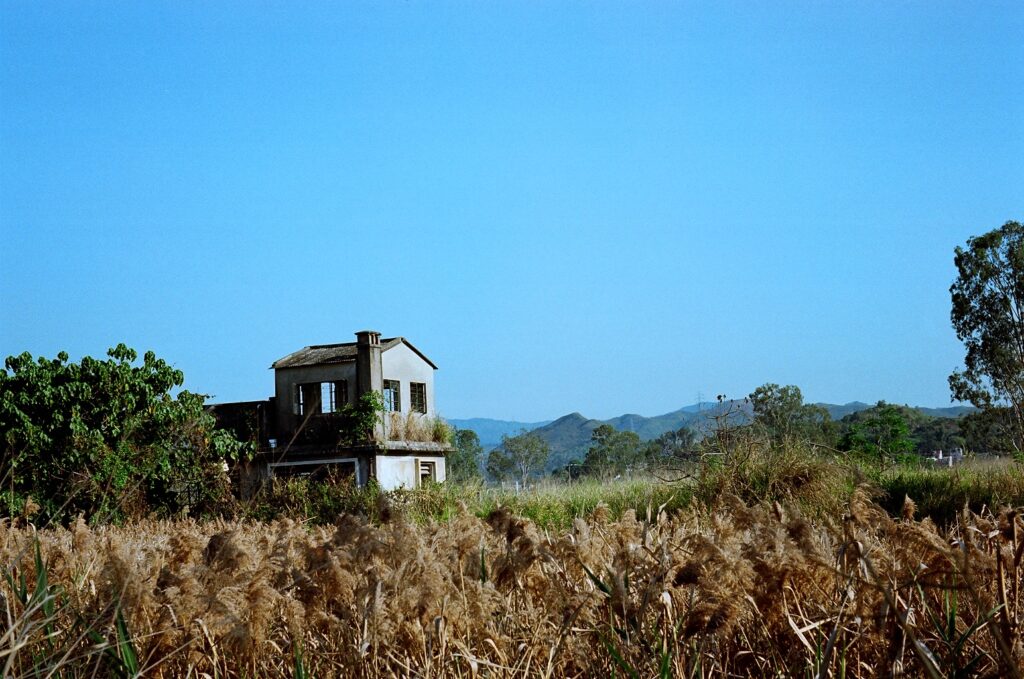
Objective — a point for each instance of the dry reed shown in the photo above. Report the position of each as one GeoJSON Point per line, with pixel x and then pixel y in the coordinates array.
{"type": "Point", "coordinates": [735, 591]}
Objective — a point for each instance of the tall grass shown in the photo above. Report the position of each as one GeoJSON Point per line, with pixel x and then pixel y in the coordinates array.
{"type": "Point", "coordinates": [739, 590]}
{"type": "Point", "coordinates": [551, 505]}
{"type": "Point", "coordinates": [941, 493]}
{"type": "Point", "coordinates": [764, 560]}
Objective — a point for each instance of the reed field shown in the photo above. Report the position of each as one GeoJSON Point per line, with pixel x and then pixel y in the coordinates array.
{"type": "Point", "coordinates": [769, 564]}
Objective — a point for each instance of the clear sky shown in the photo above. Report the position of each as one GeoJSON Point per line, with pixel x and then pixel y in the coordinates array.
{"type": "Point", "coordinates": [592, 206]}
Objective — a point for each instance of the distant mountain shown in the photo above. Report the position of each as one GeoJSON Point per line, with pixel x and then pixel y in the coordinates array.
{"type": "Point", "coordinates": [652, 427]}
{"type": "Point", "coordinates": [569, 436]}
{"type": "Point", "coordinates": [952, 411]}
{"type": "Point", "coordinates": [490, 431]}
{"type": "Point", "coordinates": [838, 412]}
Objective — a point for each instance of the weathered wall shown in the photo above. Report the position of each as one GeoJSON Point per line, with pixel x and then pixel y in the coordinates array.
{"type": "Point", "coordinates": [286, 378]}
{"type": "Point", "coordinates": [405, 365]}
{"type": "Point", "coordinates": [398, 363]}
{"type": "Point", "coordinates": [398, 471]}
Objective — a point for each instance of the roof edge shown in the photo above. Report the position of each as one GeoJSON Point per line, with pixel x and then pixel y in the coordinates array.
{"type": "Point", "coordinates": [418, 352]}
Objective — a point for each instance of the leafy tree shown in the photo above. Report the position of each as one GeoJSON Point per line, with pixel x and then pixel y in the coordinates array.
{"type": "Point", "coordinates": [612, 452]}
{"type": "Point", "coordinates": [880, 433]}
{"type": "Point", "coordinates": [106, 438]}
{"type": "Point", "coordinates": [522, 455]}
{"type": "Point", "coordinates": [988, 316]}
{"type": "Point", "coordinates": [463, 462]}
{"type": "Point", "coordinates": [674, 445]}
{"type": "Point", "coordinates": [782, 413]}
{"type": "Point", "coordinates": [989, 430]}
{"type": "Point", "coordinates": [937, 433]}
{"type": "Point", "coordinates": [499, 465]}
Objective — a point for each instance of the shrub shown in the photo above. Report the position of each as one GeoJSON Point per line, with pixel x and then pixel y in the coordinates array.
{"type": "Point", "coordinates": [942, 493]}
{"type": "Point", "coordinates": [760, 469]}
{"type": "Point", "coordinates": [107, 439]}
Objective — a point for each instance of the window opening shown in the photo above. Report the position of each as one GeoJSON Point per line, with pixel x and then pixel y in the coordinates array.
{"type": "Point", "coordinates": [307, 399]}
{"type": "Point", "coordinates": [327, 402]}
{"type": "Point", "coordinates": [392, 396]}
{"type": "Point", "coordinates": [340, 393]}
{"type": "Point", "coordinates": [418, 397]}
{"type": "Point", "coordinates": [427, 472]}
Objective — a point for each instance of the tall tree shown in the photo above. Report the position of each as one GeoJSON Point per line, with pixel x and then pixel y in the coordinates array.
{"type": "Point", "coordinates": [881, 433]}
{"type": "Point", "coordinates": [988, 316]}
{"type": "Point", "coordinates": [781, 412]}
{"type": "Point", "coordinates": [612, 452]}
{"type": "Point", "coordinates": [673, 446]}
{"type": "Point", "coordinates": [463, 463]}
{"type": "Point", "coordinates": [523, 454]}
{"type": "Point", "coordinates": [499, 465]}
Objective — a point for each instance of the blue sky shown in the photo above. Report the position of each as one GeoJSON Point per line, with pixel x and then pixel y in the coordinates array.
{"type": "Point", "coordinates": [603, 207]}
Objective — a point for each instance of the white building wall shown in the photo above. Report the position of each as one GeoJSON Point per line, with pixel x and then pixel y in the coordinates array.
{"type": "Point", "coordinates": [405, 365]}
{"type": "Point", "coordinates": [397, 472]}
{"type": "Point", "coordinates": [403, 471]}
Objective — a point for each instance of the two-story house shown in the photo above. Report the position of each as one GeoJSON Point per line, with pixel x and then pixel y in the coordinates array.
{"type": "Point", "coordinates": [298, 430]}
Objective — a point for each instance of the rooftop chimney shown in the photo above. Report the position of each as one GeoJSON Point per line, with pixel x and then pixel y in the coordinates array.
{"type": "Point", "coordinates": [369, 373]}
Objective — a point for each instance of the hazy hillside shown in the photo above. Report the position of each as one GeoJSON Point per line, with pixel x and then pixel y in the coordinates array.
{"type": "Point", "coordinates": [838, 412]}
{"type": "Point", "coordinates": [698, 415]}
{"type": "Point", "coordinates": [952, 411]}
{"type": "Point", "coordinates": [491, 431]}
{"type": "Point", "coordinates": [569, 435]}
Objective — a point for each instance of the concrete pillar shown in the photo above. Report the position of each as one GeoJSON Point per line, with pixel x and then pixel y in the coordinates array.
{"type": "Point", "coordinates": [369, 369]}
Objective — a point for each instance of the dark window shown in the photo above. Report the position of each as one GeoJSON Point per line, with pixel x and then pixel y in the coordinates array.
{"type": "Point", "coordinates": [428, 473]}
{"type": "Point", "coordinates": [307, 399]}
{"type": "Point", "coordinates": [340, 393]}
{"type": "Point", "coordinates": [392, 396]}
{"type": "Point", "coordinates": [418, 397]}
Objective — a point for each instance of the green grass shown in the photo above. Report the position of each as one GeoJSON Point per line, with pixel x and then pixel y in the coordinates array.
{"type": "Point", "coordinates": [553, 506]}
{"type": "Point", "coordinates": [550, 505]}
{"type": "Point", "coordinates": [791, 474]}
{"type": "Point", "coordinates": [942, 492]}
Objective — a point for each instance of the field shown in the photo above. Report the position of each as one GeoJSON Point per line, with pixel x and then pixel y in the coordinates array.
{"type": "Point", "coordinates": [775, 562]}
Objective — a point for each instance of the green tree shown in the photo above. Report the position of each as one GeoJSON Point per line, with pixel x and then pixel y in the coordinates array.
{"type": "Point", "coordinates": [989, 430]}
{"type": "Point", "coordinates": [612, 452]}
{"type": "Point", "coordinates": [676, 445]}
{"type": "Point", "coordinates": [782, 413]}
{"type": "Point", "coordinates": [463, 463]}
{"type": "Point", "coordinates": [522, 455]}
{"type": "Point", "coordinates": [499, 465]}
{"type": "Point", "coordinates": [937, 433]}
{"type": "Point", "coordinates": [880, 433]}
{"type": "Point", "coordinates": [106, 438]}
{"type": "Point", "coordinates": [988, 316]}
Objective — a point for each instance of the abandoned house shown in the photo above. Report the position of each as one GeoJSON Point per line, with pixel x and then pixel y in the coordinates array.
{"type": "Point", "coordinates": [300, 430]}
